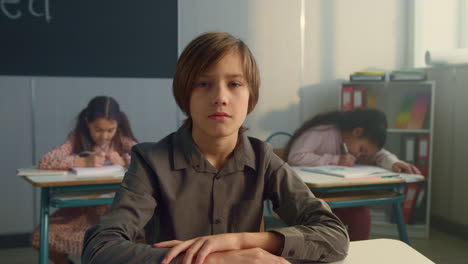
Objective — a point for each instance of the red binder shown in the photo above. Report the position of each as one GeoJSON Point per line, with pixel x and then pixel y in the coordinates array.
{"type": "Point", "coordinates": [359, 97]}
{"type": "Point", "coordinates": [411, 195]}
{"type": "Point", "coordinates": [347, 98]}
{"type": "Point", "coordinates": [422, 155]}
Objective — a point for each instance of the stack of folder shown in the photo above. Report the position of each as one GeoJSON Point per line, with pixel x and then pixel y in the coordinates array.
{"type": "Point", "coordinates": [408, 75]}
{"type": "Point", "coordinates": [368, 76]}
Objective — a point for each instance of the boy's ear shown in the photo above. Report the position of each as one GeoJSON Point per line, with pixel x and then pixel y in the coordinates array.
{"type": "Point", "coordinates": [358, 131]}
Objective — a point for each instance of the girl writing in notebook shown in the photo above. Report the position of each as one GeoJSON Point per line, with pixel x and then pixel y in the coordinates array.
{"type": "Point", "coordinates": [199, 192]}
{"type": "Point", "coordinates": [102, 135]}
{"type": "Point", "coordinates": [346, 138]}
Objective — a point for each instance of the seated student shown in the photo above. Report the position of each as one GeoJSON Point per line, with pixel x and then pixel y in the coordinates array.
{"type": "Point", "coordinates": [199, 192]}
{"type": "Point", "coordinates": [103, 134]}
{"type": "Point", "coordinates": [346, 138]}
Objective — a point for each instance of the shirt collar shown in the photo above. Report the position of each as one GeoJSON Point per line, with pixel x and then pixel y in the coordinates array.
{"type": "Point", "coordinates": [186, 154]}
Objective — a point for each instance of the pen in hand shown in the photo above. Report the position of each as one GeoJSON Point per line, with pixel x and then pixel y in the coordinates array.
{"type": "Point", "coordinates": [345, 147]}
{"type": "Point", "coordinates": [346, 158]}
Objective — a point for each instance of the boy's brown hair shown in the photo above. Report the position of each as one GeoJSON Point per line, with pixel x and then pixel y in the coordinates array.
{"type": "Point", "coordinates": [201, 53]}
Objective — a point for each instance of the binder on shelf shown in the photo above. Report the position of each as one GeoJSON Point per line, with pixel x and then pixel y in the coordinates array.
{"type": "Point", "coordinates": [359, 97]}
{"type": "Point", "coordinates": [418, 215]}
{"type": "Point", "coordinates": [347, 98]}
{"type": "Point", "coordinates": [411, 193]}
{"type": "Point", "coordinates": [371, 100]}
{"type": "Point", "coordinates": [405, 112]}
{"type": "Point", "coordinates": [418, 113]}
{"type": "Point", "coordinates": [422, 155]}
{"type": "Point", "coordinates": [408, 148]}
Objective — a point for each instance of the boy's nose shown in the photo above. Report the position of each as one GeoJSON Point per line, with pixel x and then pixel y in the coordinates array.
{"type": "Point", "coordinates": [220, 96]}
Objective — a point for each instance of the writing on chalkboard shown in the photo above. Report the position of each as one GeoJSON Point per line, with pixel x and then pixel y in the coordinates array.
{"type": "Point", "coordinates": [12, 9]}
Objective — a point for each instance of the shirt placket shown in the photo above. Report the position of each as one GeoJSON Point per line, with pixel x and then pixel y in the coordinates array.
{"type": "Point", "coordinates": [218, 217]}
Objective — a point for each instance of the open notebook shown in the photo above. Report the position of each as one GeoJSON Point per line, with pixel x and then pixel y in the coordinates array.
{"type": "Point", "coordinates": [357, 172]}
{"type": "Point", "coordinates": [108, 170]}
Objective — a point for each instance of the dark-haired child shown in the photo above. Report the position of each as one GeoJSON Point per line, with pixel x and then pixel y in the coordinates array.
{"type": "Point", "coordinates": [346, 138]}
{"type": "Point", "coordinates": [102, 134]}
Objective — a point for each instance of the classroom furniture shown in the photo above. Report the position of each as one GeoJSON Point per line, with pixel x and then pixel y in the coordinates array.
{"type": "Point", "coordinates": [341, 193]}
{"type": "Point", "coordinates": [61, 191]}
{"type": "Point", "coordinates": [382, 251]}
{"type": "Point", "coordinates": [393, 98]}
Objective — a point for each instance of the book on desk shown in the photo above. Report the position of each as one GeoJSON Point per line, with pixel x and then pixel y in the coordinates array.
{"type": "Point", "coordinates": [361, 172]}
{"type": "Point", "coordinates": [108, 170]}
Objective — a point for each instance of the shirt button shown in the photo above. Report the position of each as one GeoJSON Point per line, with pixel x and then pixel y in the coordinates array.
{"type": "Point", "coordinates": [291, 252]}
{"type": "Point", "coordinates": [218, 221]}
{"type": "Point", "coordinates": [322, 256]}
{"type": "Point", "coordinates": [217, 176]}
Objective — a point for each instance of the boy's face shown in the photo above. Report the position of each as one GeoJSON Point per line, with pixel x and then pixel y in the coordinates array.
{"type": "Point", "coordinates": [220, 97]}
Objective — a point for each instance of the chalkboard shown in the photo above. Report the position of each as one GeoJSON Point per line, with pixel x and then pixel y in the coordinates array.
{"type": "Point", "coordinates": [96, 38]}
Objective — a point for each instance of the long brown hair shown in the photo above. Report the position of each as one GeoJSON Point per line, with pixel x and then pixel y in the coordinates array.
{"type": "Point", "coordinates": [373, 121]}
{"type": "Point", "coordinates": [106, 107]}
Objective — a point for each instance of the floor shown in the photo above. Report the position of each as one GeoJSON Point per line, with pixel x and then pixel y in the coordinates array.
{"type": "Point", "coordinates": [440, 248]}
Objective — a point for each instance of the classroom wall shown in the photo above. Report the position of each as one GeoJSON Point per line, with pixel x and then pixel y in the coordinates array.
{"type": "Point", "coordinates": [301, 69]}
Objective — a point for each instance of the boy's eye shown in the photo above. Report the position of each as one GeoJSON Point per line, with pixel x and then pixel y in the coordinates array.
{"type": "Point", "coordinates": [235, 84]}
{"type": "Point", "coordinates": [203, 84]}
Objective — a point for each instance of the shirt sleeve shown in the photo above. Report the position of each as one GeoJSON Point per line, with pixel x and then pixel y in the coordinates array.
{"type": "Point", "coordinates": [314, 232]}
{"type": "Point", "coordinates": [304, 150]}
{"type": "Point", "coordinates": [382, 158]}
{"type": "Point", "coordinates": [112, 239]}
{"type": "Point", "coordinates": [60, 158]}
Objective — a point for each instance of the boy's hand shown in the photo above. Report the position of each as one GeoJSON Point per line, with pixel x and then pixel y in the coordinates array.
{"type": "Point", "coordinates": [115, 158]}
{"type": "Point", "coordinates": [197, 249]}
{"type": "Point", "coordinates": [200, 247]}
{"type": "Point", "coordinates": [245, 256]}
{"type": "Point", "coordinates": [400, 166]}
{"type": "Point", "coordinates": [346, 159]}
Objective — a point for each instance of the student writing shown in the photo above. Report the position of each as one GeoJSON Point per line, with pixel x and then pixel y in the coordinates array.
{"type": "Point", "coordinates": [199, 192]}
{"type": "Point", "coordinates": [346, 138]}
{"type": "Point", "coordinates": [102, 133]}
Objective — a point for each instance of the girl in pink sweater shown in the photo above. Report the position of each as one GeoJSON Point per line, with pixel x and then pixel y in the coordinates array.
{"type": "Point", "coordinates": [322, 140]}
{"type": "Point", "coordinates": [102, 135]}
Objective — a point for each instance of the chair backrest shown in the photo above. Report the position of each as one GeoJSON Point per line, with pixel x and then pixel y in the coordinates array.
{"type": "Point", "coordinates": [278, 151]}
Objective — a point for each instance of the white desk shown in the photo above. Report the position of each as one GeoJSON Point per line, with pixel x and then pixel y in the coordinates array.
{"type": "Point", "coordinates": [382, 251]}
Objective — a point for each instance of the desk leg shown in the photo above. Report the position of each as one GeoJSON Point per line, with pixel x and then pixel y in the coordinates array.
{"type": "Point", "coordinates": [44, 220]}
{"type": "Point", "coordinates": [400, 222]}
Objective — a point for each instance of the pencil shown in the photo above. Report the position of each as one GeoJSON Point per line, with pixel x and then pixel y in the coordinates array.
{"type": "Point", "coordinates": [345, 147]}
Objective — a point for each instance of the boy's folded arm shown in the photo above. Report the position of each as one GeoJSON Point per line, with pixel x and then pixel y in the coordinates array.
{"type": "Point", "coordinates": [112, 239]}
{"type": "Point", "coordinates": [314, 232]}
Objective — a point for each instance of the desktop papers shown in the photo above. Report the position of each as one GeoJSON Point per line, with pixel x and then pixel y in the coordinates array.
{"type": "Point", "coordinates": [110, 170]}
{"type": "Point", "coordinates": [362, 172]}
{"type": "Point", "coordinates": [357, 171]}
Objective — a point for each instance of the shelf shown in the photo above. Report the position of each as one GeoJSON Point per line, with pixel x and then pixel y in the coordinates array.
{"type": "Point", "coordinates": [409, 131]}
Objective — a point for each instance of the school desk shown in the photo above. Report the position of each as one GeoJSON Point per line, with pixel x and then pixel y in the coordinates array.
{"type": "Point", "coordinates": [63, 191]}
{"type": "Point", "coordinates": [382, 251]}
{"type": "Point", "coordinates": [340, 193]}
